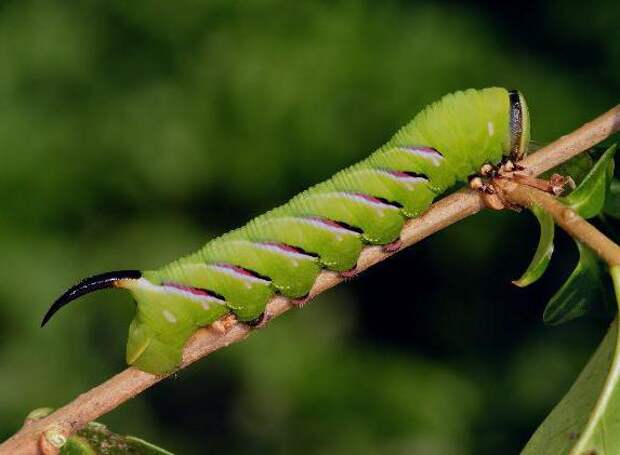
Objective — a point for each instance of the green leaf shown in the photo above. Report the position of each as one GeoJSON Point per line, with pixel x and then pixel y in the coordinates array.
{"type": "Point", "coordinates": [564, 426]}
{"type": "Point", "coordinates": [612, 203]}
{"type": "Point", "coordinates": [96, 438]}
{"type": "Point", "coordinates": [77, 445]}
{"type": "Point", "coordinates": [145, 448]}
{"type": "Point", "coordinates": [543, 253]}
{"type": "Point", "coordinates": [588, 199]}
{"type": "Point", "coordinates": [583, 286]}
{"type": "Point", "coordinates": [587, 419]}
{"type": "Point", "coordinates": [579, 292]}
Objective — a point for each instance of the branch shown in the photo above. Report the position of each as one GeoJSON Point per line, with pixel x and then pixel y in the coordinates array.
{"type": "Point", "coordinates": [573, 144]}
{"type": "Point", "coordinates": [130, 382]}
{"type": "Point", "coordinates": [564, 216]}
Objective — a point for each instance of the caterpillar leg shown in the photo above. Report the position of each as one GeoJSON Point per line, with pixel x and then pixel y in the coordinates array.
{"type": "Point", "coordinates": [505, 168]}
{"type": "Point", "coordinates": [492, 198]}
{"type": "Point", "coordinates": [258, 321]}
{"type": "Point", "coordinates": [222, 325]}
{"type": "Point", "coordinates": [394, 246]}
{"type": "Point", "coordinates": [301, 301]}
{"type": "Point", "coordinates": [477, 183]}
{"type": "Point", "coordinates": [351, 273]}
{"type": "Point", "coordinates": [261, 321]}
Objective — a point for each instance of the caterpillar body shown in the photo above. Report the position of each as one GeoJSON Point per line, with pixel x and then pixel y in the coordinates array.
{"type": "Point", "coordinates": [324, 227]}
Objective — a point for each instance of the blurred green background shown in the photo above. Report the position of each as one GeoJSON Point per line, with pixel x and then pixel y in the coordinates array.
{"type": "Point", "coordinates": [133, 131]}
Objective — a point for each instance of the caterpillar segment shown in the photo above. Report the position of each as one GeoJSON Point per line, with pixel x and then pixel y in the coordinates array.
{"type": "Point", "coordinates": [325, 227]}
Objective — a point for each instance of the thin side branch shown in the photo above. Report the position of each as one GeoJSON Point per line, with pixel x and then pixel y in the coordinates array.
{"type": "Point", "coordinates": [564, 216]}
{"type": "Point", "coordinates": [129, 383]}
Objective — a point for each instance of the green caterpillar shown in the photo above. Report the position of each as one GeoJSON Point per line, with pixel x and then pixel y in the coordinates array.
{"type": "Point", "coordinates": [324, 227]}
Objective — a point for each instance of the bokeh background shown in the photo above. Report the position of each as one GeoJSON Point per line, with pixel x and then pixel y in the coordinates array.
{"type": "Point", "coordinates": [133, 131]}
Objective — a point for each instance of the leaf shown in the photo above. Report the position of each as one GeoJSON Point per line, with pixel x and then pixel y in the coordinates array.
{"type": "Point", "coordinates": [543, 253]}
{"type": "Point", "coordinates": [612, 203]}
{"type": "Point", "coordinates": [77, 445]}
{"type": "Point", "coordinates": [564, 425]}
{"type": "Point", "coordinates": [146, 448]}
{"type": "Point", "coordinates": [588, 199]}
{"type": "Point", "coordinates": [96, 438]}
{"type": "Point", "coordinates": [587, 419]}
{"type": "Point", "coordinates": [578, 293]}
{"type": "Point", "coordinates": [583, 286]}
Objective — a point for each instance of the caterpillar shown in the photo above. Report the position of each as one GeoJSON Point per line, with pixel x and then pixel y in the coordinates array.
{"type": "Point", "coordinates": [325, 227]}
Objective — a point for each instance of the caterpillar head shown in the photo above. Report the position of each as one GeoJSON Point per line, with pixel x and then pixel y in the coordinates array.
{"type": "Point", "coordinates": [519, 125]}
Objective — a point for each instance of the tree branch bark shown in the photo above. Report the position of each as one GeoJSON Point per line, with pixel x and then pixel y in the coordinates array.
{"type": "Point", "coordinates": [130, 382]}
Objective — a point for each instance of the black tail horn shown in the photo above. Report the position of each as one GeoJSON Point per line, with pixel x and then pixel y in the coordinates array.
{"type": "Point", "coordinates": [87, 285]}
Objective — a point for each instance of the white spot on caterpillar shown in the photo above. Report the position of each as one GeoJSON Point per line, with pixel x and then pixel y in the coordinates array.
{"type": "Point", "coordinates": [339, 238]}
{"type": "Point", "coordinates": [295, 264]}
{"type": "Point", "coordinates": [169, 316]}
{"type": "Point", "coordinates": [248, 285]}
{"type": "Point", "coordinates": [205, 305]}
{"type": "Point", "coordinates": [491, 128]}
{"type": "Point", "coordinates": [380, 213]}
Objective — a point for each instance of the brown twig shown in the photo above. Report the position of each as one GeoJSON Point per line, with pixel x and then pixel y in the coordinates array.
{"type": "Point", "coordinates": [131, 382]}
{"type": "Point", "coordinates": [564, 216]}
{"type": "Point", "coordinates": [572, 144]}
